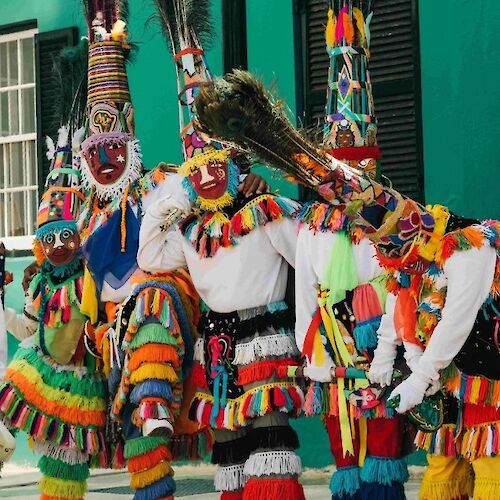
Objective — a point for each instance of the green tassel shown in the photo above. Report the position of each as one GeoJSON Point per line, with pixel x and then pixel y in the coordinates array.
{"type": "Point", "coordinates": [61, 470]}
{"type": "Point", "coordinates": [142, 445]}
{"type": "Point", "coordinates": [345, 481]}
{"type": "Point", "coordinates": [383, 470]}
{"type": "Point", "coordinates": [152, 333]}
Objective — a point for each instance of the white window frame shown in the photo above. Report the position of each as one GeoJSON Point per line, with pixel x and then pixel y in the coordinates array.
{"type": "Point", "coordinates": [20, 242]}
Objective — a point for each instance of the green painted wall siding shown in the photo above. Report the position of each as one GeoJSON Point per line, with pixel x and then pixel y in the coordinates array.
{"type": "Point", "coordinates": [460, 87]}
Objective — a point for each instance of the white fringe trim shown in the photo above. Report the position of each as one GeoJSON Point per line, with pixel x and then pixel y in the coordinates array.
{"type": "Point", "coordinates": [229, 478]}
{"type": "Point", "coordinates": [265, 347]}
{"type": "Point", "coordinates": [273, 462]}
{"type": "Point", "coordinates": [67, 455]}
{"type": "Point", "coordinates": [199, 352]}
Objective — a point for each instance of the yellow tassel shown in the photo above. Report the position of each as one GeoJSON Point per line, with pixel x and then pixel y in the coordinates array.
{"type": "Point", "coordinates": [153, 370]}
{"type": "Point", "coordinates": [61, 488]}
{"type": "Point", "coordinates": [150, 476]}
{"type": "Point", "coordinates": [330, 29]}
{"type": "Point", "coordinates": [155, 307]}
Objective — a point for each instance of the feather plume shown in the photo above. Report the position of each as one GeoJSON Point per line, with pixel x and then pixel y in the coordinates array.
{"type": "Point", "coordinates": [359, 19]}
{"type": "Point", "coordinates": [238, 109]}
{"type": "Point", "coordinates": [186, 23]}
{"type": "Point", "coordinates": [69, 75]}
{"type": "Point", "coordinates": [51, 149]}
{"type": "Point", "coordinates": [330, 29]}
{"type": "Point", "coordinates": [367, 28]}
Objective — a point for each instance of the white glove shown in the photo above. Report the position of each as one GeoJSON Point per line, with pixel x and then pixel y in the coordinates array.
{"type": "Point", "coordinates": [319, 373]}
{"type": "Point", "coordinates": [381, 367]}
{"type": "Point", "coordinates": [411, 392]}
{"type": "Point", "coordinates": [413, 353]}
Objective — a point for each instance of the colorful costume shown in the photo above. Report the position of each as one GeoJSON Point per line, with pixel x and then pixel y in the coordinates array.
{"type": "Point", "coordinates": [54, 389]}
{"type": "Point", "coordinates": [448, 314]}
{"type": "Point", "coordinates": [236, 250]}
{"type": "Point", "coordinates": [146, 341]}
{"type": "Point", "coordinates": [340, 289]}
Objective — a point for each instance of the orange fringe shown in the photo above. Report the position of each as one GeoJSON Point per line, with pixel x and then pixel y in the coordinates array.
{"type": "Point", "coordinates": [150, 459]}
{"type": "Point", "coordinates": [154, 353]}
{"type": "Point", "coordinates": [263, 370]}
{"type": "Point", "coordinates": [38, 252]}
{"type": "Point", "coordinates": [75, 416]}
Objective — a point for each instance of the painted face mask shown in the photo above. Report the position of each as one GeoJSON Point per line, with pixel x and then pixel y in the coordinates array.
{"type": "Point", "coordinates": [60, 245]}
{"type": "Point", "coordinates": [211, 179]}
{"type": "Point", "coordinates": [110, 162]}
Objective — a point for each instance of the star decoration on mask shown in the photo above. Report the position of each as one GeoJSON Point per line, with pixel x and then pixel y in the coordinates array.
{"type": "Point", "coordinates": [120, 158]}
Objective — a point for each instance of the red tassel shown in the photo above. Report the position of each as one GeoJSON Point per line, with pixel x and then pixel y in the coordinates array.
{"type": "Point", "coordinates": [231, 495]}
{"type": "Point", "coordinates": [297, 401]}
{"type": "Point", "coordinates": [279, 397]}
{"type": "Point", "coordinates": [271, 489]}
{"type": "Point", "coordinates": [205, 418]}
{"type": "Point", "coordinates": [199, 376]}
{"type": "Point", "coordinates": [246, 404]}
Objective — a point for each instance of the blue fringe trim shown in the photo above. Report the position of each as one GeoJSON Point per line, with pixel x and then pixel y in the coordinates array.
{"type": "Point", "coordinates": [53, 226]}
{"type": "Point", "coordinates": [383, 470]}
{"type": "Point", "coordinates": [162, 488]}
{"type": "Point", "coordinates": [375, 491]}
{"type": "Point", "coordinates": [151, 388]}
{"type": "Point", "coordinates": [365, 333]}
{"type": "Point", "coordinates": [345, 481]}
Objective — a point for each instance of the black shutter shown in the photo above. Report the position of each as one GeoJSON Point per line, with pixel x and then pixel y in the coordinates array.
{"type": "Point", "coordinates": [47, 47]}
{"type": "Point", "coordinates": [234, 34]}
{"type": "Point", "coordinates": [395, 73]}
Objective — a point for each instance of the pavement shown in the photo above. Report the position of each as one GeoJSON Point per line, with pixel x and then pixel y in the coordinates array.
{"type": "Point", "coordinates": [194, 482]}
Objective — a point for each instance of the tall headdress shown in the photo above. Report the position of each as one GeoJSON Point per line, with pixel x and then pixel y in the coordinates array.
{"type": "Point", "coordinates": [186, 24]}
{"type": "Point", "coordinates": [59, 207]}
{"type": "Point", "coordinates": [350, 132]}
{"type": "Point", "coordinates": [111, 157]}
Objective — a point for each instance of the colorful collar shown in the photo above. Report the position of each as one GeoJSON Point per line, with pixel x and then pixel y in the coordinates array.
{"type": "Point", "coordinates": [209, 231]}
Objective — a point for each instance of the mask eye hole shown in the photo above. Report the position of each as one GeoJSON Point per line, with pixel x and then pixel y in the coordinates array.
{"type": "Point", "coordinates": [49, 239]}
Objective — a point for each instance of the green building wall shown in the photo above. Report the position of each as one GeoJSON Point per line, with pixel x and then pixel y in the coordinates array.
{"type": "Point", "coordinates": [460, 107]}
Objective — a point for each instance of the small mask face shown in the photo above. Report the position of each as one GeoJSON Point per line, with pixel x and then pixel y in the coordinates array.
{"type": "Point", "coordinates": [60, 247]}
{"type": "Point", "coordinates": [107, 162]}
{"type": "Point", "coordinates": [210, 181]}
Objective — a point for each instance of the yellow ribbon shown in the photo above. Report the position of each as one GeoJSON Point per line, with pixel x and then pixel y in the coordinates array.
{"type": "Point", "coordinates": [345, 427]}
{"type": "Point", "coordinates": [363, 433]}
{"type": "Point", "coordinates": [89, 306]}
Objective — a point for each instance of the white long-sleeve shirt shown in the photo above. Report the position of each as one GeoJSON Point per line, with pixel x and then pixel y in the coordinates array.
{"type": "Point", "coordinates": [313, 254]}
{"type": "Point", "coordinates": [468, 276]}
{"type": "Point", "coordinates": [250, 274]}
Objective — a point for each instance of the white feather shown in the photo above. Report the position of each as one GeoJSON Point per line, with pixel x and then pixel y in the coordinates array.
{"type": "Point", "coordinates": [51, 148]}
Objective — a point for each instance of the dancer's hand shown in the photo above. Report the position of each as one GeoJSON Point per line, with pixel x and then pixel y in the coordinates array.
{"type": "Point", "coordinates": [319, 373]}
{"type": "Point", "coordinates": [411, 392]}
{"type": "Point", "coordinates": [381, 367]}
{"type": "Point", "coordinates": [253, 184]}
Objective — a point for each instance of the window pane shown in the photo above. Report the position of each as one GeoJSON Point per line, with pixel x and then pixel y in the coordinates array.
{"type": "Point", "coordinates": [3, 211]}
{"type": "Point", "coordinates": [13, 112]}
{"type": "Point", "coordinates": [28, 59]}
{"type": "Point", "coordinates": [32, 210]}
{"type": "Point", "coordinates": [30, 175]}
{"type": "Point", "coordinates": [28, 103]}
{"type": "Point", "coordinates": [4, 111]}
{"type": "Point", "coordinates": [16, 214]}
{"type": "Point", "coordinates": [3, 65]}
{"type": "Point", "coordinates": [2, 174]}
{"type": "Point", "coordinates": [16, 165]}
{"type": "Point", "coordinates": [13, 66]}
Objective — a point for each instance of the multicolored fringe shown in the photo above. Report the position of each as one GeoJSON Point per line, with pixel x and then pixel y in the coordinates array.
{"type": "Point", "coordinates": [149, 464]}
{"type": "Point", "coordinates": [213, 230]}
{"type": "Point", "coordinates": [470, 388]}
{"type": "Point", "coordinates": [57, 300]}
{"type": "Point", "coordinates": [345, 481]}
{"type": "Point", "coordinates": [262, 400]}
{"type": "Point", "coordinates": [382, 470]}
{"type": "Point", "coordinates": [325, 217]}
{"type": "Point", "coordinates": [322, 399]}
{"type": "Point", "coordinates": [151, 179]}
{"type": "Point", "coordinates": [442, 442]}
{"type": "Point", "coordinates": [271, 489]}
